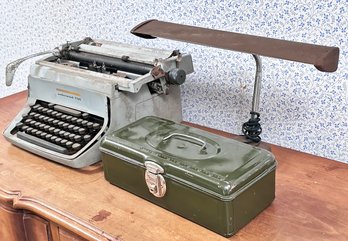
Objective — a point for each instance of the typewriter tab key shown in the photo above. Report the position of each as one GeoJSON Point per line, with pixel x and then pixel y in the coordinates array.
{"type": "Point", "coordinates": [50, 105]}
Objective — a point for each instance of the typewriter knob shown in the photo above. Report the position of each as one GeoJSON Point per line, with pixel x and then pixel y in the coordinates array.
{"type": "Point", "coordinates": [176, 76]}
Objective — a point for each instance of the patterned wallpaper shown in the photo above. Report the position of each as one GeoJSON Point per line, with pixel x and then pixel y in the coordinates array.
{"type": "Point", "coordinates": [301, 108]}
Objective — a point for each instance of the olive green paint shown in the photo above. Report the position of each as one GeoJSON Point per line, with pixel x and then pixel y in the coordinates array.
{"type": "Point", "coordinates": [221, 187]}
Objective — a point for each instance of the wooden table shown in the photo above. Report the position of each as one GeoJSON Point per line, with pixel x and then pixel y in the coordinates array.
{"type": "Point", "coordinates": [311, 199]}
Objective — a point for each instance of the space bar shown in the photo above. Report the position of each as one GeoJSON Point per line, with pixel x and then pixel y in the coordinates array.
{"type": "Point", "coordinates": [37, 141]}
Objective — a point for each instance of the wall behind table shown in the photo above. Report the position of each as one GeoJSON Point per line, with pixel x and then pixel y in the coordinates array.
{"type": "Point", "coordinates": [301, 108]}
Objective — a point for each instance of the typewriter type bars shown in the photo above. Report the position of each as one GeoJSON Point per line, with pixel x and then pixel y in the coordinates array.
{"type": "Point", "coordinates": [88, 87]}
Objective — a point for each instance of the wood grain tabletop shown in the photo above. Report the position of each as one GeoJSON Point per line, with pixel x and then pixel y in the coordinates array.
{"type": "Point", "coordinates": [311, 196]}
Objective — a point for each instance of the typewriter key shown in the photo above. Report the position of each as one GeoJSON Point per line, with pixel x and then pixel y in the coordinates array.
{"type": "Point", "coordinates": [37, 133]}
{"type": "Point", "coordinates": [57, 140]}
{"type": "Point", "coordinates": [50, 105]}
{"type": "Point", "coordinates": [89, 124]}
{"type": "Point", "coordinates": [71, 127]}
{"type": "Point", "coordinates": [96, 126]}
{"type": "Point", "coordinates": [77, 138]}
{"type": "Point", "coordinates": [29, 129]}
{"type": "Point", "coordinates": [68, 144]}
{"type": "Point", "coordinates": [36, 106]}
{"type": "Point", "coordinates": [19, 125]}
{"type": "Point", "coordinates": [60, 123]}
{"type": "Point", "coordinates": [76, 128]}
{"type": "Point", "coordinates": [56, 131]}
{"type": "Point", "coordinates": [73, 119]}
{"type": "Point", "coordinates": [24, 128]}
{"type": "Point", "coordinates": [76, 146]}
{"type": "Point", "coordinates": [85, 115]}
{"type": "Point", "coordinates": [39, 109]}
{"type": "Point", "coordinates": [63, 142]}
{"type": "Point", "coordinates": [82, 131]}
{"type": "Point", "coordinates": [48, 136]}
{"type": "Point", "coordinates": [87, 138]}
{"type": "Point", "coordinates": [71, 136]}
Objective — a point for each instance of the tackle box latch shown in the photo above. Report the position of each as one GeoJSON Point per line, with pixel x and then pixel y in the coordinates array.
{"type": "Point", "coordinates": [154, 180]}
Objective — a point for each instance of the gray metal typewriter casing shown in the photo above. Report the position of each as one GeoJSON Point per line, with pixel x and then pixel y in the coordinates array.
{"type": "Point", "coordinates": [118, 100]}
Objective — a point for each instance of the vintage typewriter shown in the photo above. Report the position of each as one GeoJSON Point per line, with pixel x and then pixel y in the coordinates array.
{"type": "Point", "coordinates": [85, 88]}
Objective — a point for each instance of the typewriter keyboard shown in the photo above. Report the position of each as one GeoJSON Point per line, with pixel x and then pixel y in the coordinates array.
{"type": "Point", "coordinates": [57, 127]}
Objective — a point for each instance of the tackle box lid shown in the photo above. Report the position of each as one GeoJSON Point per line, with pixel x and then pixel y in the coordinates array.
{"type": "Point", "coordinates": [214, 164]}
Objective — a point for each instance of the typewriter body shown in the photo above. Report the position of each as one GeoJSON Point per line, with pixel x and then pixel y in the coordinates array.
{"type": "Point", "coordinates": [86, 88]}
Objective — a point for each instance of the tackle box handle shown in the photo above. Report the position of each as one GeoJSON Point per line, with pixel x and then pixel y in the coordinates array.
{"type": "Point", "coordinates": [188, 137]}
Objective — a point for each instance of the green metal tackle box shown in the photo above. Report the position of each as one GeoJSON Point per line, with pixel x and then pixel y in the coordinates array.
{"type": "Point", "coordinates": [217, 182]}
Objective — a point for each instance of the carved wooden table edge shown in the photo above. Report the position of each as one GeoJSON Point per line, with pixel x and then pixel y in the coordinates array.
{"type": "Point", "coordinates": [62, 218]}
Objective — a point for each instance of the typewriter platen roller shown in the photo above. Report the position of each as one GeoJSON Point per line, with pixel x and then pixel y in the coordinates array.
{"type": "Point", "coordinates": [85, 88]}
